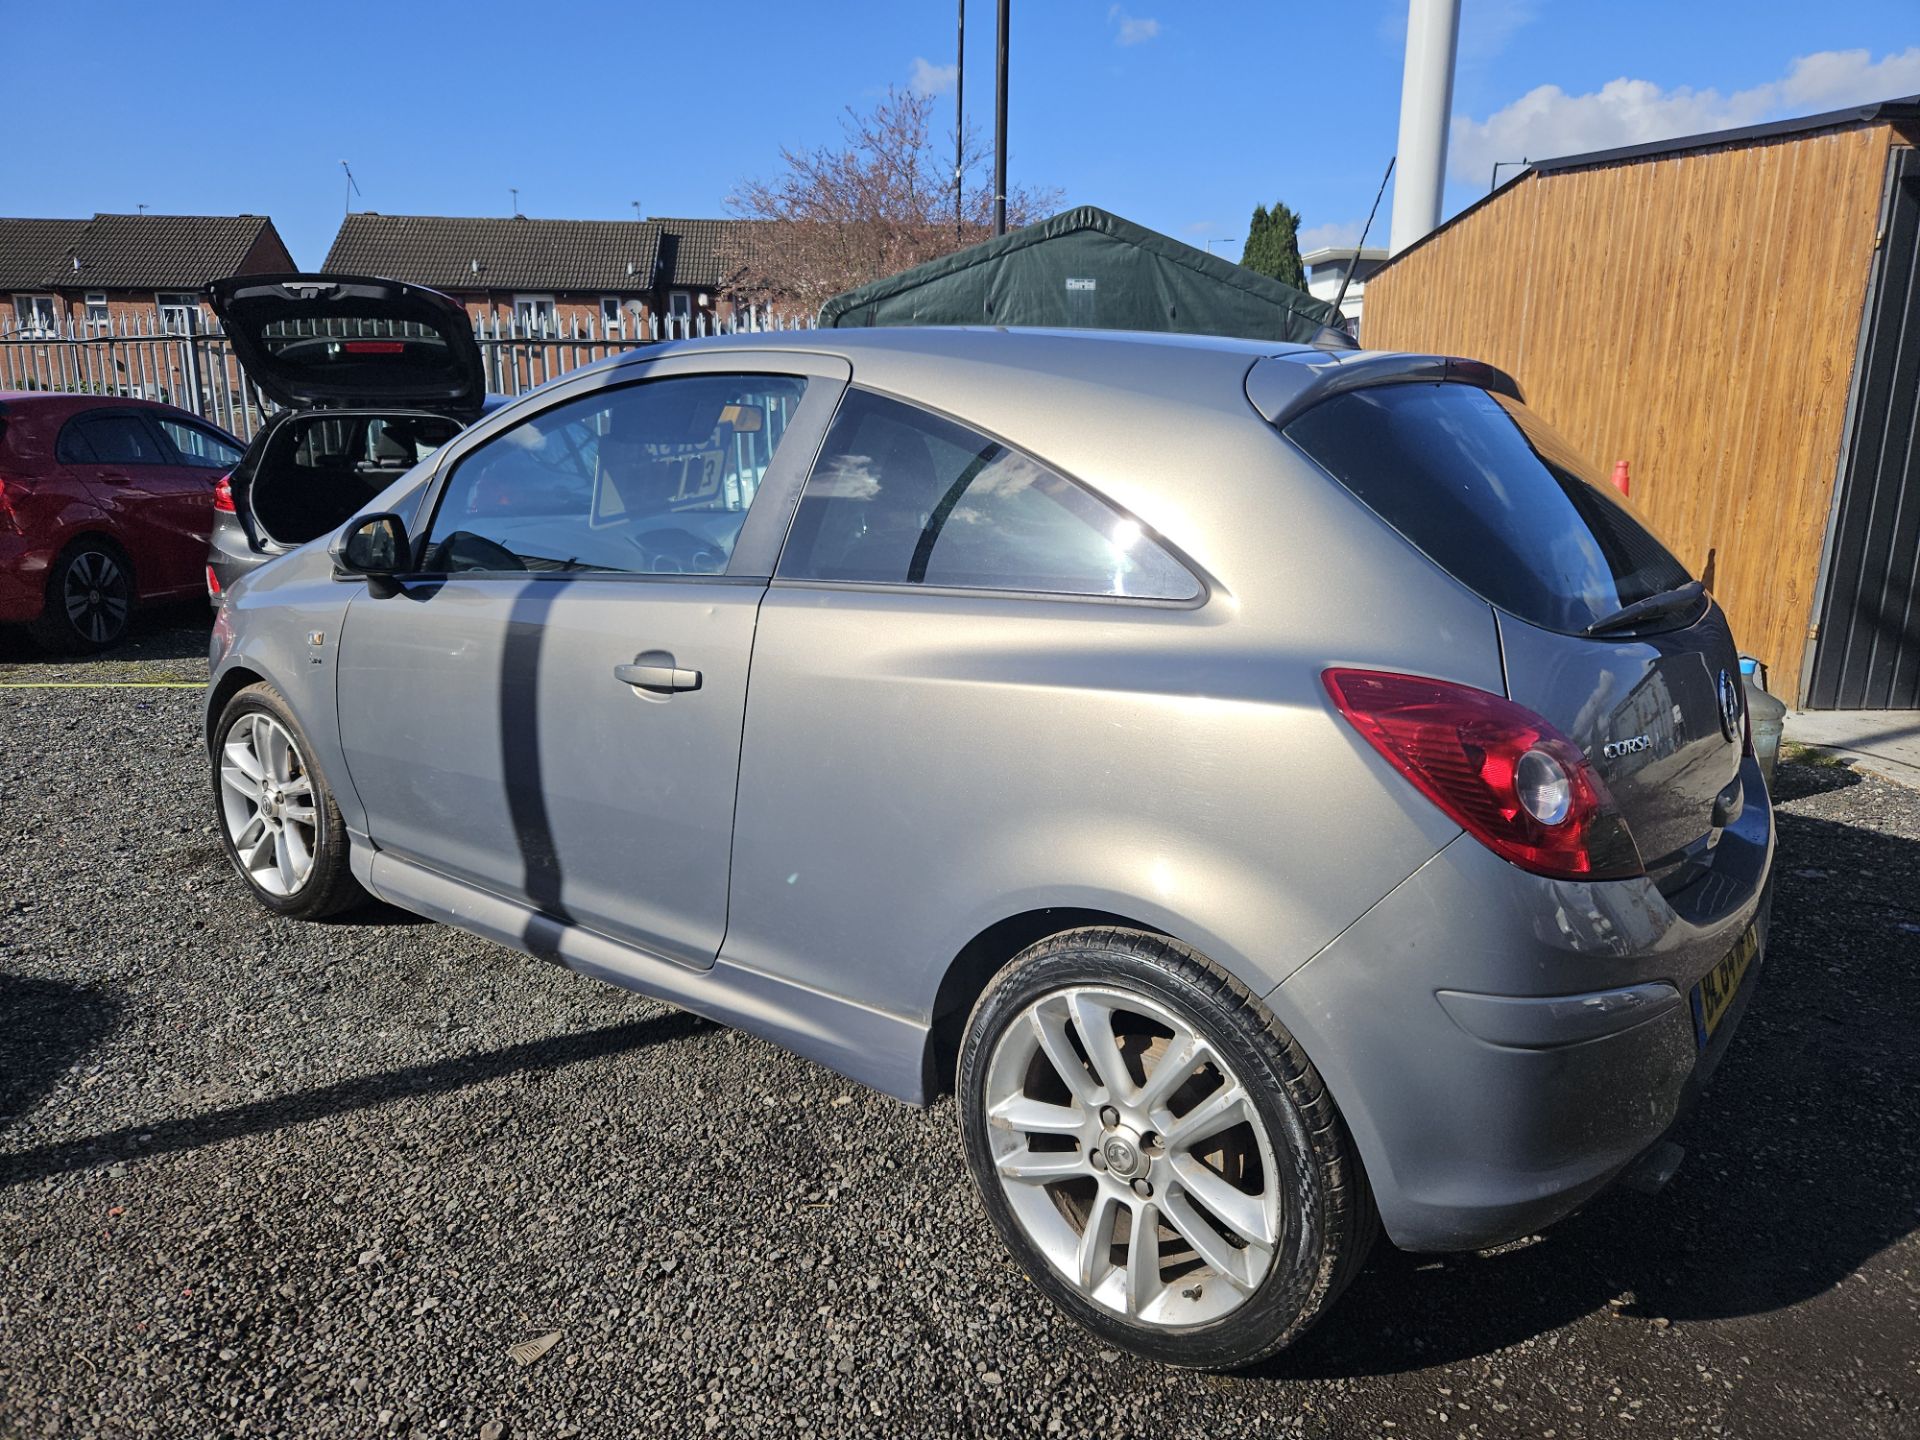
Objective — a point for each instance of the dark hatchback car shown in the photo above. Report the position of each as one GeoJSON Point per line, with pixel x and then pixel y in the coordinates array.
{"type": "Point", "coordinates": [105, 503]}
{"type": "Point", "coordinates": [373, 376]}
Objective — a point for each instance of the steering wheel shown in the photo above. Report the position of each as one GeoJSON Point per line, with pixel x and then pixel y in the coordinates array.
{"type": "Point", "coordinates": [680, 552]}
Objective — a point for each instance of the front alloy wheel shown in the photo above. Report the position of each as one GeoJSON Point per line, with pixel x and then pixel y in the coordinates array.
{"type": "Point", "coordinates": [266, 799]}
{"type": "Point", "coordinates": [1156, 1151]}
{"type": "Point", "coordinates": [279, 824]}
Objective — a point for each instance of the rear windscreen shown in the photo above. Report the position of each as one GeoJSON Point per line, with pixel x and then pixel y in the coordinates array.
{"type": "Point", "coordinates": [351, 352]}
{"type": "Point", "coordinates": [1491, 495]}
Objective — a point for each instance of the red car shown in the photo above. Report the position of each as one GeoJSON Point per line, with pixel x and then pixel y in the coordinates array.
{"type": "Point", "coordinates": [105, 503]}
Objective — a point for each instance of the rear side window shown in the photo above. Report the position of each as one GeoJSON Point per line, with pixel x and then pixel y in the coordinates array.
{"type": "Point", "coordinates": [1493, 496]}
{"type": "Point", "coordinates": [199, 447]}
{"type": "Point", "coordinates": [122, 439]}
{"type": "Point", "coordinates": [900, 496]}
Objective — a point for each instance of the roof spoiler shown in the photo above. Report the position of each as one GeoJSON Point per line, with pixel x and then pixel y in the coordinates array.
{"type": "Point", "coordinates": [1281, 386]}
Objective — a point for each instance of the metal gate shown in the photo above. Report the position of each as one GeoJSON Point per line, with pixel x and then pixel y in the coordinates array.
{"type": "Point", "coordinates": [1867, 650]}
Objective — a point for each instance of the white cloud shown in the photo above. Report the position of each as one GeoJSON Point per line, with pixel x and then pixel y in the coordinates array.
{"type": "Point", "coordinates": [928, 78]}
{"type": "Point", "coordinates": [1333, 232]}
{"type": "Point", "coordinates": [1134, 30]}
{"type": "Point", "coordinates": [1201, 227]}
{"type": "Point", "coordinates": [1547, 122]}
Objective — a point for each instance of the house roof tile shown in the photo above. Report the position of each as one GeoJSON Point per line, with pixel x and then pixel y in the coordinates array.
{"type": "Point", "coordinates": [443, 251]}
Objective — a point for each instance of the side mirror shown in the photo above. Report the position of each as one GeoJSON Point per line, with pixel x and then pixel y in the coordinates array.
{"type": "Point", "coordinates": [376, 547]}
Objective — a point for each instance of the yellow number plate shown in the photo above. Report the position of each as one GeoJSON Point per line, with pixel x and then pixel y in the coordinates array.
{"type": "Point", "coordinates": [1713, 996]}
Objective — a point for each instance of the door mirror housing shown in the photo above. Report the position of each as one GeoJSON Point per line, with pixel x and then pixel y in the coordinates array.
{"type": "Point", "coordinates": [375, 547]}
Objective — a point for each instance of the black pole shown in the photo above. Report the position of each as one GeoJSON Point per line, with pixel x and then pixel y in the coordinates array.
{"type": "Point", "coordinates": [959, 123]}
{"type": "Point", "coordinates": [1000, 129]}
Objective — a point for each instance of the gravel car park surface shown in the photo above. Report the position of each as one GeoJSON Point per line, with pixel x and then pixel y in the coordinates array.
{"type": "Point", "coordinates": [267, 1178]}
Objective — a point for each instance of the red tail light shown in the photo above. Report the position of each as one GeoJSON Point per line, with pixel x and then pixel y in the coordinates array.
{"type": "Point", "coordinates": [223, 496]}
{"type": "Point", "coordinates": [1504, 775]}
{"type": "Point", "coordinates": [375, 347]}
{"type": "Point", "coordinates": [213, 584]}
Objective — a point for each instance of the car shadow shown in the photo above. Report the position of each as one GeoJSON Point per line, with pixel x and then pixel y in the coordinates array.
{"type": "Point", "coordinates": [1801, 1158]}
{"type": "Point", "coordinates": [362, 1092]}
{"type": "Point", "coordinates": [46, 1026]}
{"type": "Point", "coordinates": [374, 913]}
{"type": "Point", "coordinates": [177, 631]}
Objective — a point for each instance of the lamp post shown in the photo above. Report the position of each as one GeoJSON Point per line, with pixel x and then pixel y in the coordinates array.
{"type": "Point", "coordinates": [1228, 240]}
{"type": "Point", "coordinates": [1426, 102]}
{"type": "Point", "coordinates": [1000, 129]}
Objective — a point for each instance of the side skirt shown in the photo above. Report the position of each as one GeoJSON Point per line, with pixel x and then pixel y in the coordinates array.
{"type": "Point", "coordinates": [875, 1047]}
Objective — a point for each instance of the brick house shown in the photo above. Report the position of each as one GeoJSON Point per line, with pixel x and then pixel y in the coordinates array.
{"type": "Point", "coordinates": [612, 274]}
{"type": "Point", "coordinates": [130, 272]}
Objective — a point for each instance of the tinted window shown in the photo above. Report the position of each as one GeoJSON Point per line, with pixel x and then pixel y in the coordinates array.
{"type": "Point", "coordinates": [901, 496]}
{"type": "Point", "coordinates": [198, 447]}
{"type": "Point", "coordinates": [1493, 496]}
{"type": "Point", "coordinates": [111, 440]}
{"type": "Point", "coordinates": [361, 352]}
{"type": "Point", "coordinates": [655, 479]}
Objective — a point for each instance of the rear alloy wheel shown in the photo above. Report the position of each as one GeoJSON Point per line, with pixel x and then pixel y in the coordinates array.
{"type": "Point", "coordinates": [279, 823]}
{"type": "Point", "coordinates": [1156, 1151]}
{"type": "Point", "coordinates": [89, 599]}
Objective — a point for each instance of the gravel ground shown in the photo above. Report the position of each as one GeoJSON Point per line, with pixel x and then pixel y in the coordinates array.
{"type": "Point", "coordinates": [266, 1178]}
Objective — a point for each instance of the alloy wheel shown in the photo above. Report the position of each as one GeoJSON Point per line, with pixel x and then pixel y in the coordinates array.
{"type": "Point", "coordinates": [96, 596]}
{"type": "Point", "coordinates": [267, 802]}
{"type": "Point", "coordinates": [1132, 1156]}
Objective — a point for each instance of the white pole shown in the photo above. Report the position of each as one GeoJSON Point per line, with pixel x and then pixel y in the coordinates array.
{"type": "Point", "coordinates": [1426, 107]}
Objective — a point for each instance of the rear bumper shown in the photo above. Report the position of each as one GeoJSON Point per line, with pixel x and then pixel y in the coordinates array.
{"type": "Point", "coordinates": [24, 563]}
{"type": "Point", "coordinates": [1503, 1045]}
{"type": "Point", "coordinates": [230, 555]}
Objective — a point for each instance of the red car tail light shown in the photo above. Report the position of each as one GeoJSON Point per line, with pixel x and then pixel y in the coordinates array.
{"type": "Point", "coordinates": [213, 584]}
{"type": "Point", "coordinates": [1501, 772]}
{"type": "Point", "coordinates": [375, 347]}
{"type": "Point", "coordinates": [223, 495]}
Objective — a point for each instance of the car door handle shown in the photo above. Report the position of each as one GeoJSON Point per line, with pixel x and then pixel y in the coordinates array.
{"type": "Point", "coordinates": [115, 478]}
{"type": "Point", "coordinates": [657, 677]}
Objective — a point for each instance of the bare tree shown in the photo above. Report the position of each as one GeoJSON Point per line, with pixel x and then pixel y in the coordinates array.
{"type": "Point", "coordinates": [881, 202]}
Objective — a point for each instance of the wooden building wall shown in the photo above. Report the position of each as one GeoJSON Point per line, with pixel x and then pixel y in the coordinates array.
{"type": "Point", "coordinates": [1696, 315]}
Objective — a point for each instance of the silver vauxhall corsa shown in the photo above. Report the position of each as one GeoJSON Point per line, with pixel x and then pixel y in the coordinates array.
{"type": "Point", "coordinates": [1276, 791]}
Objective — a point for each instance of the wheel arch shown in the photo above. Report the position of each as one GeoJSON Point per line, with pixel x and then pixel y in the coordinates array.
{"type": "Point", "coordinates": [93, 529]}
{"type": "Point", "coordinates": [979, 960]}
{"type": "Point", "coordinates": [229, 684]}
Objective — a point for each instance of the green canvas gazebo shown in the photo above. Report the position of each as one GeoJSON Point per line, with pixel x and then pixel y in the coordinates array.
{"type": "Point", "coordinates": [1086, 269]}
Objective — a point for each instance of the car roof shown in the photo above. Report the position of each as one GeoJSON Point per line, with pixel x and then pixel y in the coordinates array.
{"type": "Point", "coordinates": [1018, 345]}
{"type": "Point", "coordinates": [67, 400]}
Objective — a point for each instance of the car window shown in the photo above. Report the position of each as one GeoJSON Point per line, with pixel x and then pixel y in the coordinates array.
{"type": "Point", "coordinates": [200, 448]}
{"type": "Point", "coordinates": [105, 439]}
{"type": "Point", "coordinates": [654, 478]}
{"type": "Point", "coordinates": [903, 496]}
{"type": "Point", "coordinates": [1493, 496]}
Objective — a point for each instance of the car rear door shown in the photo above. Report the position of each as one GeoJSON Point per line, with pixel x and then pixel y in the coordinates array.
{"type": "Point", "coordinates": [332, 341]}
{"type": "Point", "coordinates": [551, 709]}
{"type": "Point", "coordinates": [161, 509]}
{"type": "Point", "coordinates": [1602, 630]}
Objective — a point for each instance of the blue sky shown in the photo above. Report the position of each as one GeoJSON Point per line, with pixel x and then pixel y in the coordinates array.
{"type": "Point", "coordinates": [1181, 114]}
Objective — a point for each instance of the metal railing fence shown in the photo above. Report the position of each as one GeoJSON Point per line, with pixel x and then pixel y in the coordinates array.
{"type": "Point", "coordinates": [197, 371]}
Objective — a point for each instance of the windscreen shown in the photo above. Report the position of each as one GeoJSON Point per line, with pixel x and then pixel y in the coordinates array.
{"type": "Point", "coordinates": [1493, 496]}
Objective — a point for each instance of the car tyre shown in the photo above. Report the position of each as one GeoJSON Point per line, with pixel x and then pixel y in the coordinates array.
{"type": "Point", "coordinates": [90, 597]}
{"type": "Point", "coordinates": [1231, 1164]}
{"type": "Point", "coordinates": [276, 816]}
